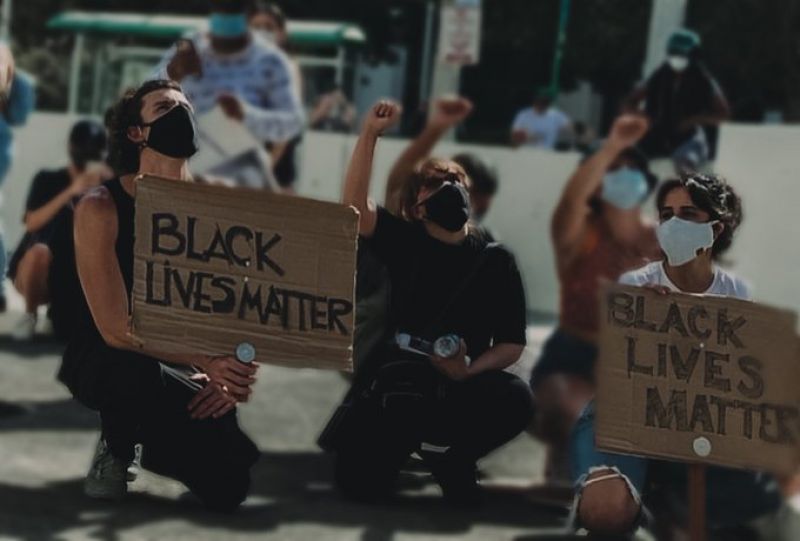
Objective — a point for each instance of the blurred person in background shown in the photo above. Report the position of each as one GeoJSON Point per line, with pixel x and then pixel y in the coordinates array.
{"type": "Point", "coordinates": [268, 22]}
{"type": "Point", "coordinates": [333, 112]}
{"type": "Point", "coordinates": [698, 217]}
{"type": "Point", "coordinates": [684, 104]}
{"type": "Point", "coordinates": [51, 193]}
{"type": "Point", "coordinates": [250, 78]}
{"type": "Point", "coordinates": [450, 410]}
{"type": "Point", "coordinates": [17, 103]}
{"type": "Point", "coordinates": [584, 137]}
{"type": "Point", "coordinates": [541, 124]}
{"type": "Point", "coordinates": [180, 407]}
{"type": "Point", "coordinates": [598, 232]}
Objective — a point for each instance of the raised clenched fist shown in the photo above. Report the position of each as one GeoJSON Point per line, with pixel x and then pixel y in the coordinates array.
{"type": "Point", "coordinates": [382, 116]}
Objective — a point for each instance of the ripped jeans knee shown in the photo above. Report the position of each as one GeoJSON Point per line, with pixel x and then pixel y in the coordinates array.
{"type": "Point", "coordinates": [591, 466]}
{"type": "Point", "coordinates": [614, 507]}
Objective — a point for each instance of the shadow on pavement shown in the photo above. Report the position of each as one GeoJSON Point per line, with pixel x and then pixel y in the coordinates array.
{"type": "Point", "coordinates": [288, 488]}
{"type": "Point", "coordinates": [51, 511]}
{"type": "Point", "coordinates": [64, 414]}
{"type": "Point", "coordinates": [41, 345]}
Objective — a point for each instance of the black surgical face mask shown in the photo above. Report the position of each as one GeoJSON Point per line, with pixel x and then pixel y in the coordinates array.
{"type": "Point", "coordinates": [173, 134]}
{"type": "Point", "coordinates": [448, 207]}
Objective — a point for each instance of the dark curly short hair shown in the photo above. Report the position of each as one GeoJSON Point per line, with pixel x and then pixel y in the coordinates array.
{"type": "Point", "coordinates": [715, 196]}
{"type": "Point", "coordinates": [123, 154]}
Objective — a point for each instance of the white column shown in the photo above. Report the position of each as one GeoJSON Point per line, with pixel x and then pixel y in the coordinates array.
{"type": "Point", "coordinates": [446, 77]}
{"type": "Point", "coordinates": [666, 16]}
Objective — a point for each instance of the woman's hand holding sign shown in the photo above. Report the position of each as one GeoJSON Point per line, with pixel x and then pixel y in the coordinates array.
{"type": "Point", "coordinates": [237, 377]}
{"type": "Point", "coordinates": [213, 400]}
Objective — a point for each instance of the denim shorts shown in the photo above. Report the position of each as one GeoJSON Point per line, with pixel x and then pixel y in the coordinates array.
{"type": "Point", "coordinates": [565, 354]}
{"type": "Point", "coordinates": [734, 497]}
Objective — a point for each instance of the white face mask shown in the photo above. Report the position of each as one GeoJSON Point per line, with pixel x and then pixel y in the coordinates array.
{"type": "Point", "coordinates": [682, 239]}
{"type": "Point", "coordinates": [266, 35]}
{"type": "Point", "coordinates": [678, 63]}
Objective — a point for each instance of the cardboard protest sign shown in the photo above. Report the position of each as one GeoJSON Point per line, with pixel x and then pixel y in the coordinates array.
{"type": "Point", "coordinates": [698, 379]}
{"type": "Point", "coordinates": [218, 266]}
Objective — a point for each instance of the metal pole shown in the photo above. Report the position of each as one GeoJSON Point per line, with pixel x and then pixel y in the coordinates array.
{"type": "Point", "coordinates": [427, 52]}
{"type": "Point", "coordinates": [5, 24]}
{"type": "Point", "coordinates": [561, 40]}
{"type": "Point", "coordinates": [75, 74]}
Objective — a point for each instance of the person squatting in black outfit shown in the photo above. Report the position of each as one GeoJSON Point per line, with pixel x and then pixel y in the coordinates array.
{"type": "Point", "coordinates": [48, 219]}
{"type": "Point", "coordinates": [445, 282]}
{"type": "Point", "coordinates": [180, 408]}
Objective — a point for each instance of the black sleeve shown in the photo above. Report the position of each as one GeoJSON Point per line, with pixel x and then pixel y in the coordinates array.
{"type": "Point", "coordinates": [391, 238]}
{"type": "Point", "coordinates": [510, 311]}
{"type": "Point", "coordinates": [41, 191]}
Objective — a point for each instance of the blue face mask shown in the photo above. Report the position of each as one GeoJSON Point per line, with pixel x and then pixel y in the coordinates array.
{"type": "Point", "coordinates": [228, 25]}
{"type": "Point", "coordinates": [624, 188]}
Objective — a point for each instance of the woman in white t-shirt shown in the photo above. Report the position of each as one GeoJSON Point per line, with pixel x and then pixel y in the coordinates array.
{"type": "Point", "coordinates": [698, 215]}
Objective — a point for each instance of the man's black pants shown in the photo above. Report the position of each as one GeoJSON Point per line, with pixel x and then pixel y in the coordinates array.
{"type": "Point", "coordinates": [141, 403]}
{"type": "Point", "coordinates": [471, 419]}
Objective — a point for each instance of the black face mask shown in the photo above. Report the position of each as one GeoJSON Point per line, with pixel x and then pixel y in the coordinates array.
{"type": "Point", "coordinates": [173, 134]}
{"type": "Point", "coordinates": [448, 207]}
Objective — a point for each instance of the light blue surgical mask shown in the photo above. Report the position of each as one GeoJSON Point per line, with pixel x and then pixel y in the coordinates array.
{"type": "Point", "coordinates": [625, 188]}
{"type": "Point", "coordinates": [682, 240]}
{"type": "Point", "coordinates": [228, 25]}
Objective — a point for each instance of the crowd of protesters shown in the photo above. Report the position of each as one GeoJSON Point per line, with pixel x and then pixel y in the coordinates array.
{"type": "Point", "coordinates": [429, 271]}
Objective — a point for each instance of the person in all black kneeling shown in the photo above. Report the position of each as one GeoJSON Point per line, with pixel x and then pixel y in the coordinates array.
{"type": "Point", "coordinates": [180, 408]}
{"type": "Point", "coordinates": [448, 399]}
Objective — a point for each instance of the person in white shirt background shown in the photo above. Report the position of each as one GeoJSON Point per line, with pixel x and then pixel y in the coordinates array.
{"type": "Point", "coordinates": [268, 22]}
{"type": "Point", "coordinates": [540, 125]}
{"type": "Point", "coordinates": [250, 78]}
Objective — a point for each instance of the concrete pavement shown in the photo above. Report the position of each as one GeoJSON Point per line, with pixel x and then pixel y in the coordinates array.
{"type": "Point", "coordinates": [45, 452]}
